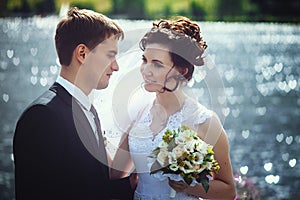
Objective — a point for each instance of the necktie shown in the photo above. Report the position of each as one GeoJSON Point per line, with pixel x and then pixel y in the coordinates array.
{"type": "Point", "coordinates": [97, 122]}
{"type": "Point", "coordinates": [101, 145]}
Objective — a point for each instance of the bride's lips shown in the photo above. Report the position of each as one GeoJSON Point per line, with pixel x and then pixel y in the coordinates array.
{"type": "Point", "coordinates": [148, 81]}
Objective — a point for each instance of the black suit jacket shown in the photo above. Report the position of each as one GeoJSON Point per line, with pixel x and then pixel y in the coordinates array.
{"type": "Point", "coordinates": [55, 153]}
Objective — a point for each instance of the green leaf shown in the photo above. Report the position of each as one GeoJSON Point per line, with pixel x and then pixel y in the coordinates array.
{"type": "Point", "coordinates": [203, 179]}
{"type": "Point", "coordinates": [155, 167]}
{"type": "Point", "coordinates": [184, 127]}
{"type": "Point", "coordinates": [187, 179]}
{"type": "Point", "coordinates": [167, 170]}
{"type": "Point", "coordinates": [205, 184]}
{"type": "Point", "coordinates": [156, 151]}
{"type": "Point", "coordinates": [172, 144]}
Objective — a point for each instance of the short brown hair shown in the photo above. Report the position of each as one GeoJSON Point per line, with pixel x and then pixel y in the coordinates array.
{"type": "Point", "coordinates": [82, 26]}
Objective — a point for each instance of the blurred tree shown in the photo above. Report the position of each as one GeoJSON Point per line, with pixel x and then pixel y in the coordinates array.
{"type": "Point", "coordinates": [25, 7]}
{"type": "Point", "coordinates": [83, 5]}
{"type": "Point", "coordinates": [227, 8]}
{"type": "Point", "coordinates": [212, 10]}
{"type": "Point", "coordinates": [131, 9]}
{"type": "Point", "coordinates": [118, 7]}
{"type": "Point", "coordinates": [166, 11]}
{"type": "Point", "coordinates": [281, 9]}
{"type": "Point", "coordinates": [135, 9]}
{"type": "Point", "coordinates": [3, 8]}
{"type": "Point", "coordinates": [197, 11]}
{"type": "Point", "coordinates": [207, 9]}
{"type": "Point", "coordinates": [19, 7]}
{"type": "Point", "coordinates": [45, 7]}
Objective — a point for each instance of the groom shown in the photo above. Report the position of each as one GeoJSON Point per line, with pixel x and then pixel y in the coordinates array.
{"type": "Point", "coordinates": [58, 146]}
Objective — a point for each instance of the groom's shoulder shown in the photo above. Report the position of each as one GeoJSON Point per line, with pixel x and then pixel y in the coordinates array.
{"type": "Point", "coordinates": [48, 100]}
{"type": "Point", "coordinates": [40, 106]}
{"type": "Point", "coordinates": [45, 98]}
{"type": "Point", "coordinates": [54, 96]}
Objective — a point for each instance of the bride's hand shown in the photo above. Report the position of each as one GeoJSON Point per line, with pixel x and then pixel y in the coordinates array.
{"type": "Point", "coordinates": [133, 178]}
{"type": "Point", "coordinates": [178, 186]}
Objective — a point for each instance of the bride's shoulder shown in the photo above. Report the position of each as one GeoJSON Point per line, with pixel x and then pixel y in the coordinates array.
{"type": "Point", "coordinates": [197, 111]}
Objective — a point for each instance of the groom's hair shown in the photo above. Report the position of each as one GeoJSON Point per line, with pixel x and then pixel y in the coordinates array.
{"type": "Point", "coordinates": [83, 26]}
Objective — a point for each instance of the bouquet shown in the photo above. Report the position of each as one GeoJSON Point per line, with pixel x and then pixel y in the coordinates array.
{"type": "Point", "coordinates": [183, 154]}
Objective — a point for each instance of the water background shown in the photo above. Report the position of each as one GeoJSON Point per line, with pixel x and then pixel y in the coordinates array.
{"type": "Point", "coordinates": [259, 64]}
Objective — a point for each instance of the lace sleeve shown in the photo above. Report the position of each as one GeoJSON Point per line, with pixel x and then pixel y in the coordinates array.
{"type": "Point", "coordinates": [202, 114]}
{"type": "Point", "coordinates": [194, 113]}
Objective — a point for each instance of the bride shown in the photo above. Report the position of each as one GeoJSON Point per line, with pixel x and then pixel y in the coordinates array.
{"type": "Point", "coordinates": [171, 49]}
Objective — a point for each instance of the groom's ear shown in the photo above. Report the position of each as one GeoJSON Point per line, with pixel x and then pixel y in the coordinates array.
{"type": "Point", "coordinates": [80, 53]}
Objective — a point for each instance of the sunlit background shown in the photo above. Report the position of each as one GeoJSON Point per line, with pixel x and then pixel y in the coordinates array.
{"type": "Point", "coordinates": [257, 55]}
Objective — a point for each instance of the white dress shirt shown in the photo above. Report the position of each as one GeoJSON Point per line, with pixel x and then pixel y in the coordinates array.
{"type": "Point", "coordinates": [82, 100]}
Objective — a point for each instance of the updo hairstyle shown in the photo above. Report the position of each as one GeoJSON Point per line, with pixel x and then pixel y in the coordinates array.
{"type": "Point", "coordinates": [183, 39]}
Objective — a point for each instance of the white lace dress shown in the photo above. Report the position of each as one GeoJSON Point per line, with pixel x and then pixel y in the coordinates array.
{"type": "Point", "coordinates": [142, 142]}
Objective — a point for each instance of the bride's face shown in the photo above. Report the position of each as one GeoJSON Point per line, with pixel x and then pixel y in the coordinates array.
{"type": "Point", "coordinates": [156, 66]}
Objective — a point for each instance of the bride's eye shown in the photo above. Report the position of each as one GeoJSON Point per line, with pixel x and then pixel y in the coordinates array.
{"type": "Point", "coordinates": [158, 65]}
{"type": "Point", "coordinates": [144, 60]}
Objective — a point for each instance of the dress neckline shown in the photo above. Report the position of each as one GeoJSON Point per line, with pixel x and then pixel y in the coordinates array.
{"type": "Point", "coordinates": [180, 111]}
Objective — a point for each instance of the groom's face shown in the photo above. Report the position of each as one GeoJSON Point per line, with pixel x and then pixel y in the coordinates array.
{"type": "Point", "coordinates": [100, 63]}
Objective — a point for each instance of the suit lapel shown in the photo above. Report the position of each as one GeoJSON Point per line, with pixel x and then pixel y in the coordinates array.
{"type": "Point", "coordinates": [83, 127]}
{"type": "Point", "coordinates": [85, 130]}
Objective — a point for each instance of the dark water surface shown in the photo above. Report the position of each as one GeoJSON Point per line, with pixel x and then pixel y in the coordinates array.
{"type": "Point", "coordinates": [259, 64]}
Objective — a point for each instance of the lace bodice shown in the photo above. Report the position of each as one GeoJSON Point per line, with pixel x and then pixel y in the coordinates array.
{"type": "Point", "coordinates": [142, 142]}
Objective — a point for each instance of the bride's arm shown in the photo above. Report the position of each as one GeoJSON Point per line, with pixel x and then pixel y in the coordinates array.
{"type": "Point", "coordinates": [222, 186]}
{"type": "Point", "coordinates": [121, 165]}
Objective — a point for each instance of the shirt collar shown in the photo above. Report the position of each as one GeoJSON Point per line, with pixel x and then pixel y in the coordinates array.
{"type": "Point", "coordinates": [76, 92]}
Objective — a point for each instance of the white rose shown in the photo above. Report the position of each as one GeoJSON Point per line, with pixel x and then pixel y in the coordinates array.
{"type": "Point", "coordinates": [179, 140]}
{"type": "Point", "coordinates": [202, 148]}
{"type": "Point", "coordinates": [162, 158]}
{"type": "Point", "coordinates": [177, 151]}
{"type": "Point", "coordinates": [188, 136]}
{"type": "Point", "coordinates": [163, 145]}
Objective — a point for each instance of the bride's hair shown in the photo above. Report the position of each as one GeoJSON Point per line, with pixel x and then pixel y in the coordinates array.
{"type": "Point", "coordinates": [182, 37]}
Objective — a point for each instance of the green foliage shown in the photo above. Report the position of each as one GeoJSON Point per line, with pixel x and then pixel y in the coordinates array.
{"type": "Point", "coordinates": [28, 7]}
{"type": "Point", "coordinates": [203, 179]}
{"type": "Point", "coordinates": [18, 6]}
{"type": "Point", "coordinates": [131, 9]}
{"type": "Point", "coordinates": [83, 5]}
{"type": "Point", "coordinates": [197, 11]}
{"type": "Point", "coordinates": [228, 8]}
{"type": "Point", "coordinates": [118, 7]}
{"type": "Point", "coordinates": [45, 7]}
{"type": "Point", "coordinates": [12, 4]}
{"type": "Point", "coordinates": [155, 168]}
{"type": "Point", "coordinates": [200, 10]}
{"type": "Point", "coordinates": [188, 179]}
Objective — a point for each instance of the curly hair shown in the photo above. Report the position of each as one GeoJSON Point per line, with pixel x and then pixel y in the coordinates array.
{"type": "Point", "coordinates": [183, 38]}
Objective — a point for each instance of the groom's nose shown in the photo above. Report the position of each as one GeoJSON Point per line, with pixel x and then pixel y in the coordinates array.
{"type": "Point", "coordinates": [115, 65]}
